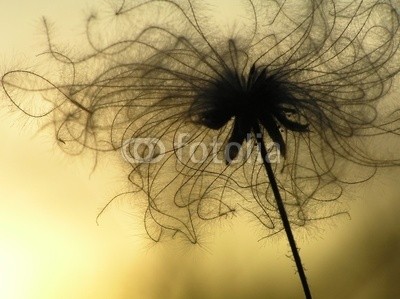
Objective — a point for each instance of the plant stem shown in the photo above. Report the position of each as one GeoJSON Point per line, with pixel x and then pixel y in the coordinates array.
{"type": "Point", "coordinates": [282, 212]}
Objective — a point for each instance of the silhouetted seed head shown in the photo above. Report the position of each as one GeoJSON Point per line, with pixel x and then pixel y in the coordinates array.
{"type": "Point", "coordinates": [181, 97]}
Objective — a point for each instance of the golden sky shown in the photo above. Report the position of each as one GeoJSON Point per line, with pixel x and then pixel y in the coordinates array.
{"type": "Point", "coordinates": [51, 246]}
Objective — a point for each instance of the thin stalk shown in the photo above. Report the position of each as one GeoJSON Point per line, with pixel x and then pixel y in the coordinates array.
{"type": "Point", "coordinates": [282, 212]}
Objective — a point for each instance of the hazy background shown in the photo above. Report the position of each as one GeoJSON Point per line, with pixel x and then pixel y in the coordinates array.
{"type": "Point", "coordinates": [51, 247]}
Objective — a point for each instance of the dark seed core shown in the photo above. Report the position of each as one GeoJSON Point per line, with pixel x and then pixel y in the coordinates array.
{"type": "Point", "coordinates": [258, 99]}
